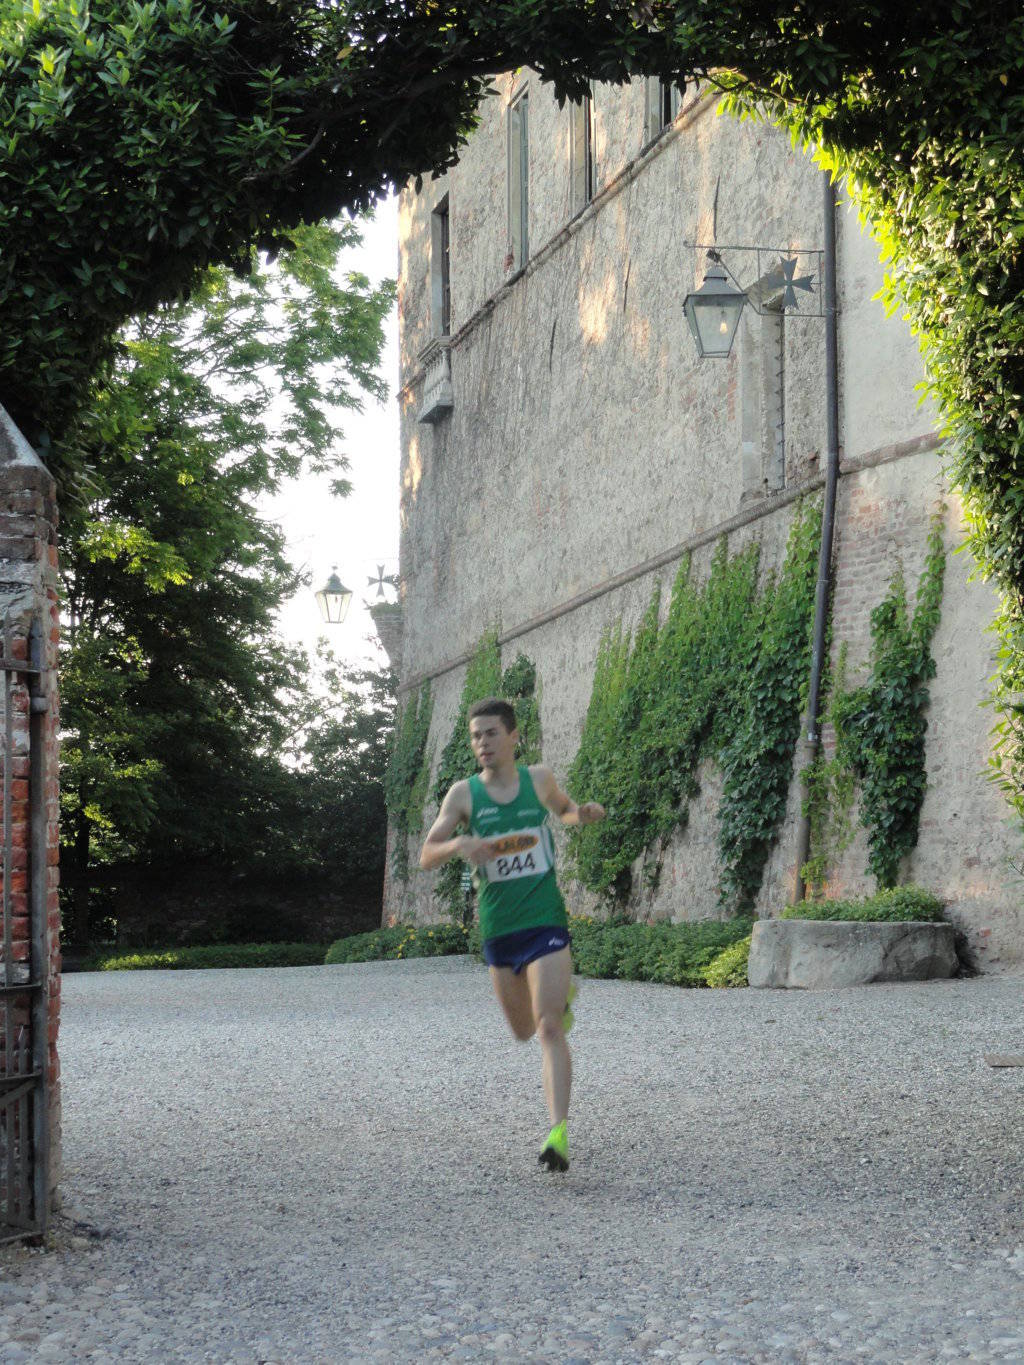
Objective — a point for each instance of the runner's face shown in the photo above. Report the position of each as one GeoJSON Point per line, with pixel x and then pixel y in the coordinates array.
{"type": "Point", "coordinates": [493, 745]}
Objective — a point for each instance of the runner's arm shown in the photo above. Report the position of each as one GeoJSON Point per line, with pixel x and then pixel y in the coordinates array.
{"type": "Point", "coordinates": [560, 803]}
{"type": "Point", "coordinates": [442, 843]}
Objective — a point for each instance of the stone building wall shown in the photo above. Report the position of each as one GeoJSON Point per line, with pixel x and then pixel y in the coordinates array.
{"type": "Point", "coordinates": [587, 448]}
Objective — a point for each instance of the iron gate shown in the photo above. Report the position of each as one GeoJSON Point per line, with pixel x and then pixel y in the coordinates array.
{"type": "Point", "coordinates": [24, 1046]}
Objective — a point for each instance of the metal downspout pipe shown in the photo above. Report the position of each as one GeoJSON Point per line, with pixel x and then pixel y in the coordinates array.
{"type": "Point", "coordinates": [812, 735]}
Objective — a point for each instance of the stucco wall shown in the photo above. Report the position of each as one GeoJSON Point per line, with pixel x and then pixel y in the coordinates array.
{"type": "Point", "coordinates": [586, 439]}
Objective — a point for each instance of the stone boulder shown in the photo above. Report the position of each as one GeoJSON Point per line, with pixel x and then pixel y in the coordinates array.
{"type": "Point", "coordinates": [822, 954]}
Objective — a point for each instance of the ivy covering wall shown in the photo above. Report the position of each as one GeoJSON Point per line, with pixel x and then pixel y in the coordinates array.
{"type": "Point", "coordinates": [880, 730]}
{"type": "Point", "coordinates": [408, 775]}
{"type": "Point", "coordinates": [724, 678]}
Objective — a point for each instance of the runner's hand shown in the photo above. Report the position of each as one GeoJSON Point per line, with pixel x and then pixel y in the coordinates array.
{"type": "Point", "coordinates": [476, 851]}
{"type": "Point", "coordinates": [589, 813]}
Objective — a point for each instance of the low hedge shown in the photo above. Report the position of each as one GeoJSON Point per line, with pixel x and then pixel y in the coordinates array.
{"type": "Point", "coordinates": [404, 940]}
{"type": "Point", "coordinates": [675, 954]}
{"type": "Point", "coordinates": [214, 955]}
{"type": "Point", "coordinates": [896, 905]}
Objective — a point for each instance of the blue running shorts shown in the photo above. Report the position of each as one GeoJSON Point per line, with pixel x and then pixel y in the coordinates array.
{"type": "Point", "coordinates": [524, 946]}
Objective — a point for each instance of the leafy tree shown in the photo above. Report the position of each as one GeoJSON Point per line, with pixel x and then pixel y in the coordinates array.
{"type": "Point", "coordinates": [178, 699]}
{"type": "Point", "coordinates": [337, 820]}
{"type": "Point", "coordinates": [142, 141]}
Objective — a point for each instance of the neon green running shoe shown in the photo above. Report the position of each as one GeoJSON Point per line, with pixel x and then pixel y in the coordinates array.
{"type": "Point", "coordinates": [568, 1018]}
{"type": "Point", "coordinates": [555, 1152]}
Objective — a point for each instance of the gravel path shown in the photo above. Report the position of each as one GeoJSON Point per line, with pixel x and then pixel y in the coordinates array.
{"type": "Point", "coordinates": [339, 1164]}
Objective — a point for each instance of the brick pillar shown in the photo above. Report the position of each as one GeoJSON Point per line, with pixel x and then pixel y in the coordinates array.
{"type": "Point", "coordinates": [28, 594]}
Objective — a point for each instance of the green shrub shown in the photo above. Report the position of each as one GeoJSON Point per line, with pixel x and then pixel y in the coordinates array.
{"type": "Point", "coordinates": [730, 966]}
{"type": "Point", "coordinates": [896, 904]}
{"type": "Point", "coordinates": [405, 940]}
{"type": "Point", "coordinates": [215, 955]}
{"type": "Point", "coordinates": [673, 954]}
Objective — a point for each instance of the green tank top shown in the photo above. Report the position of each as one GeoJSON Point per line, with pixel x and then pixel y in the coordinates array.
{"type": "Point", "coordinates": [517, 888]}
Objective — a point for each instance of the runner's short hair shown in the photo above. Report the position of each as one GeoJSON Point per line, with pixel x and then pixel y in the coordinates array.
{"type": "Point", "coordinates": [494, 706]}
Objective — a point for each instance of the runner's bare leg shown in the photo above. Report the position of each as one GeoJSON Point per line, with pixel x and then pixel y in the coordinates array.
{"type": "Point", "coordinates": [548, 978]}
{"type": "Point", "coordinates": [514, 998]}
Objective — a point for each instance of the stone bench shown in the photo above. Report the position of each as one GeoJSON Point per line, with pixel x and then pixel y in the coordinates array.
{"type": "Point", "coordinates": [823, 954]}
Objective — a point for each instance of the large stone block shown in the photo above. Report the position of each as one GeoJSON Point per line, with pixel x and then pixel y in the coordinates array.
{"type": "Point", "coordinates": [819, 954]}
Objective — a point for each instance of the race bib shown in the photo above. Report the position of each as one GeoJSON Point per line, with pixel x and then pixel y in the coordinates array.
{"type": "Point", "coordinates": [523, 854]}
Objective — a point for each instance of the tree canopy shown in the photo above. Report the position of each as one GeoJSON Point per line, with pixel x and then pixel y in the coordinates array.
{"type": "Point", "coordinates": [142, 141]}
{"type": "Point", "coordinates": [188, 727]}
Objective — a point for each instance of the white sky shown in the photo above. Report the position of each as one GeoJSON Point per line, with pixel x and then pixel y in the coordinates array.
{"type": "Point", "coordinates": [359, 532]}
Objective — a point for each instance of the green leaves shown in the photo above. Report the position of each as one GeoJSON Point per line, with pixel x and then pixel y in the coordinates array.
{"type": "Point", "coordinates": [694, 953]}
{"type": "Point", "coordinates": [189, 730]}
{"type": "Point", "coordinates": [720, 679]}
{"type": "Point", "coordinates": [880, 726]}
{"type": "Point", "coordinates": [757, 761]}
{"type": "Point", "coordinates": [408, 772]}
{"type": "Point", "coordinates": [898, 904]}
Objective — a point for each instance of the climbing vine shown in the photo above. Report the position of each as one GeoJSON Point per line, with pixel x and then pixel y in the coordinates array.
{"type": "Point", "coordinates": [484, 678]}
{"type": "Point", "coordinates": [880, 728]}
{"type": "Point", "coordinates": [408, 775]}
{"type": "Point", "coordinates": [829, 791]}
{"type": "Point", "coordinates": [722, 678]}
{"type": "Point", "coordinates": [758, 759]}
{"type": "Point", "coordinates": [657, 705]}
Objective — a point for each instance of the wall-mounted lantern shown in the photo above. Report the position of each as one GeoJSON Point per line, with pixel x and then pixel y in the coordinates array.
{"type": "Point", "coordinates": [713, 312]}
{"type": "Point", "coordinates": [333, 599]}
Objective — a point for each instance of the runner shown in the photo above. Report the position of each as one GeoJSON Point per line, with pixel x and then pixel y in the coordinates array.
{"type": "Point", "coordinates": [523, 922]}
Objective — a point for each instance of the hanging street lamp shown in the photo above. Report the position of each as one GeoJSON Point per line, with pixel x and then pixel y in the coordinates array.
{"type": "Point", "coordinates": [333, 599]}
{"type": "Point", "coordinates": [713, 312]}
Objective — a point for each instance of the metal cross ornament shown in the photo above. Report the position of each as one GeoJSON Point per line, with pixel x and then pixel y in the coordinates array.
{"type": "Point", "coordinates": [377, 582]}
{"type": "Point", "coordinates": [784, 277]}
{"type": "Point", "coordinates": [382, 580]}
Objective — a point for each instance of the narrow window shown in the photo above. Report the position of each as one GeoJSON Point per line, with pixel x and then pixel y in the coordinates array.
{"type": "Point", "coordinates": [518, 182]}
{"type": "Point", "coordinates": [662, 102]}
{"type": "Point", "coordinates": [581, 153]}
{"type": "Point", "coordinates": [440, 271]}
